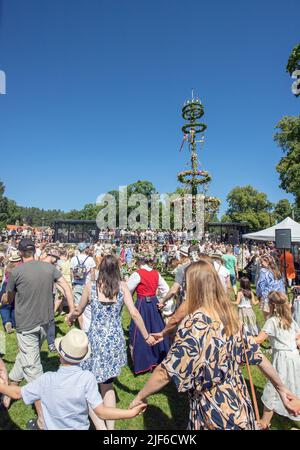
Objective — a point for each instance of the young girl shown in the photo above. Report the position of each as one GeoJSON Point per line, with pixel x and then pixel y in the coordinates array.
{"type": "Point", "coordinates": [245, 300]}
{"type": "Point", "coordinates": [284, 335]}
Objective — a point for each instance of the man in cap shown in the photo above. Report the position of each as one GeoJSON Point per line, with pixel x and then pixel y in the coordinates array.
{"type": "Point", "coordinates": [30, 285]}
{"type": "Point", "coordinates": [178, 287]}
{"type": "Point", "coordinates": [51, 256]}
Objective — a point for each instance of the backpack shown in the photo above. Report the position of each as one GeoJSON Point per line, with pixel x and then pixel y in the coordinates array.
{"type": "Point", "coordinates": [80, 271]}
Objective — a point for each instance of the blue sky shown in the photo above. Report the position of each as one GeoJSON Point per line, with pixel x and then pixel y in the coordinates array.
{"type": "Point", "coordinates": [95, 91]}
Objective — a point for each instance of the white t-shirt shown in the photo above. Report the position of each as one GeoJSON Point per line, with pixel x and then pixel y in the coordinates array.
{"type": "Point", "coordinates": [223, 273]}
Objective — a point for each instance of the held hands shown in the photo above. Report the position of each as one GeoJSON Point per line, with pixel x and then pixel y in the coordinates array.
{"type": "Point", "coordinates": [150, 340]}
{"type": "Point", "coordinates": [71, 317]}
{"type": "Point", "coordinates": [137, 410]}
{"type": "Point", "coordinates": [137, 402]}
{"type": "Point", "coordinates": [290, 401]}
{"type": "Point", "coordinates": [158, 337]}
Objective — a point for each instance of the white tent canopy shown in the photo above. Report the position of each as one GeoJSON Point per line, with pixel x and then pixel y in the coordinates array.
{"type": "Point", "coordinates": [269, 233]}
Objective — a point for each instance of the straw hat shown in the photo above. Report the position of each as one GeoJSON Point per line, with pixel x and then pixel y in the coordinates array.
{"type": "Point", "coordinates": [184, 250]}
{"type": "Point", "coordinates": [15, 257]}
{"type": "Point", "coordinates": [169, 307]}
{"type": "Point", "coordinates": [74, 346]}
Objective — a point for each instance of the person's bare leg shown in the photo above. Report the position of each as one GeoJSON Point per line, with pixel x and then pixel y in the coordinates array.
{"type": "Point", "coordinates": [109, 399]}
{"type": "Point", "coordinates": [266, 417]}
{"type": "Point", "coordinates": [98, 423]}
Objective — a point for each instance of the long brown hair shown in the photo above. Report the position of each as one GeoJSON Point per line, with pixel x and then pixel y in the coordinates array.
{"type": "Point", "coordinates": [272, 266]}
{"type": "Point", "coordinates": [245, 287]}
{"type": "Point", "coordinates": [205, 290]}
{"type": "Point", "coordinates": [109, 276]}
{"type": "Point", "coordinates": [280, 307]}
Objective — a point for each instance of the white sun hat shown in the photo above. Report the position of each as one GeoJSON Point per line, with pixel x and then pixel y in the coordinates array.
{"type": "Point", "coordinates": [74, 346]}
{"type": "Point", "coordinates": [170, 307]}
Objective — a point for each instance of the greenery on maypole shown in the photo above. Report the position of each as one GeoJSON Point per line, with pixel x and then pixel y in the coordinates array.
{"type": "Point", "coordinates": [192, 112]}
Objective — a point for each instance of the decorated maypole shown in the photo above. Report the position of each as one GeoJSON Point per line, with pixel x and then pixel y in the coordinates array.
{"type": "Point", "coordinates": [196, 180]}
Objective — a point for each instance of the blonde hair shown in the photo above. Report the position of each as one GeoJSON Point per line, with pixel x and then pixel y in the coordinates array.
{"type": "Point", "coordinates": [280, 308]}
{"type": "Point", "coordinates": [272, 266]}
{"type": "Point", "coordinates": [205, 290]}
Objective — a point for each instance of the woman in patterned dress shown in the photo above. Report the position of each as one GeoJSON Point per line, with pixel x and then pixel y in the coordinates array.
{"type": "Point", "coordinates": [106, 337]}
{"type": "Point", "coordinates": [206, 357]}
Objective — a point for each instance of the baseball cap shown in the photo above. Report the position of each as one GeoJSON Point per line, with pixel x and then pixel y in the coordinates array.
{"type": "Point", "coordinates": [82, 246]}
{"type": "Point", "coordinates": [26, 245]}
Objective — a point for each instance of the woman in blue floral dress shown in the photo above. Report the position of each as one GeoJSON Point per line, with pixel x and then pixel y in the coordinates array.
{"type": "Point", "coordinates": [206, 357]}
{"type": "Point", "coordinates": [106, 337]}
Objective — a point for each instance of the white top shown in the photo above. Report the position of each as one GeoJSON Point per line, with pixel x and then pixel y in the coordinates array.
{"type": "Point", "coordinates": [135, 279]}
{"type": "Point", "coordinates": [279, 338]}
{"type": "Point", "coordinates": [223, 273]}
{"type": "Point", "coordinates": [245, 302]}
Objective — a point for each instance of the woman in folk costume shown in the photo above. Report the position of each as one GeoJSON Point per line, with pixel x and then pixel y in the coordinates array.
{"type": "Point", "coordinates": [146, 281]}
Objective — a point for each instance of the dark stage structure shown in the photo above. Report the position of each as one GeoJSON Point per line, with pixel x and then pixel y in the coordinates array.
{"type": "Point", "coordinates": [75, 231]}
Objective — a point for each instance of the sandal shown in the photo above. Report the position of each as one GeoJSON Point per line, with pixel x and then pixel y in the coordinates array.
{"type": "Point", "coordinates": [32, 424]}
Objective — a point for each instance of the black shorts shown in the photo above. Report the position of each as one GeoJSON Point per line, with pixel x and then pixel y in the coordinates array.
{"type": "Point", "coordinates": [109, 381]}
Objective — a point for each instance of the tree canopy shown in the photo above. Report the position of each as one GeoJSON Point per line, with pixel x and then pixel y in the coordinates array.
{"type": "Point", "coordinates": [288, 138]}
{"type": "Point", "coordinates": [246, 204]}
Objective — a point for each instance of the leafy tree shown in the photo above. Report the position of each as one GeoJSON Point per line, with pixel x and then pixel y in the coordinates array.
{"type": "Point", "coordinates": [246, 204]}
{"type": "Point", "coordinates": [288, 138]}
{"type": "Point", "coordinates": [89, 212]}
{"type": "Point", "coordinates": [143, 187]}
{"type": "Point", "coordinates": [14, 212]}
{"type": "Point", "coordinates": [4, 207]}
{"type": "Point", "coordinates": [225, 218]}
{"type": "Point", "coordinates": [294, 60]}
{"type": "Point", "coordinates": [282, 209]}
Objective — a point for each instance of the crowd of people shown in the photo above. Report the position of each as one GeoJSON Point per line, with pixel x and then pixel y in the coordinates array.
{"type": "Point", "coordinates": [197, 333]}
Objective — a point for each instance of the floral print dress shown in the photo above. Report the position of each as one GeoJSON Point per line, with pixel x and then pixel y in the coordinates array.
{"type": "Point", "coordinates": [106, 338]}
{"type": "Point", "coordinates": [207, 364]}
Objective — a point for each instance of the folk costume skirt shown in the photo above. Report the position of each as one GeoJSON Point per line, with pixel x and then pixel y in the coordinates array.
{"type": "Point", "coordinates": [146, 358]}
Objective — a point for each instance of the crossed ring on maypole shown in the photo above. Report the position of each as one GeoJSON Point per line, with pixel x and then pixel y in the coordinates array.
{"type": "Point", "coordinates": [189, 177]}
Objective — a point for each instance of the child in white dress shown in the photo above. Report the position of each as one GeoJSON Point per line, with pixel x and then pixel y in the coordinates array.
{"type": "Point", "coordinates": [245, 300]}
{"type": "Point", "coordinates": [284, 336]}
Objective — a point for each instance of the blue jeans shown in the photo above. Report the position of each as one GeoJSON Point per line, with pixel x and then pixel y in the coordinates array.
{"type": "Point", "coordinates": [7, 313]}
{"type": "Point", "coordinates": [233, 280]}
{"type": "Point", "coordinates": [51, 333]}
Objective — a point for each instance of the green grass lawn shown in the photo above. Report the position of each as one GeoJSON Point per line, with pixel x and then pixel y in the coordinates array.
{"type": "Point", "coordinates": [167, 410]}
